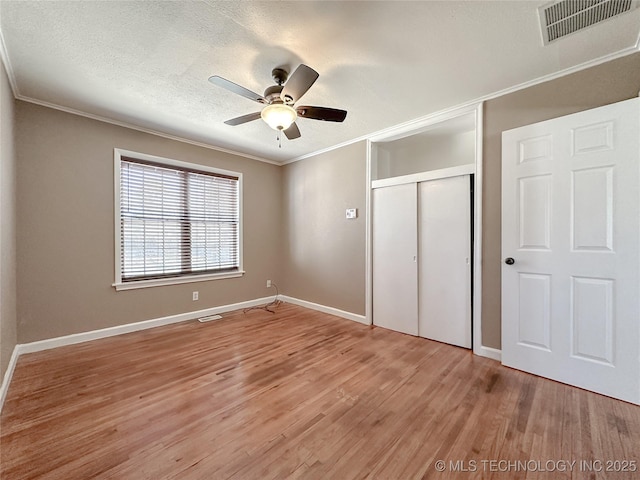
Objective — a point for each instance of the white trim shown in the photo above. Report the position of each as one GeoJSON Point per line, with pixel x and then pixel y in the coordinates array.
{"type": "Point", "coordinates": [489, 352]}
{"type": "Point", "coordinates": [477, 235]}
{"type": "Point", "coordinates": [117, 245]}
{"type": "Point", "coordinates": [368, 266]}
{"type": "Point", "coordinates": [424, 176]}
{"type": "Point", "coordinates": [324, 309]}
{"type": "Point", "coordinates": [8, 374]}
{"type": "Point", "coordinates": [429, 117]}
{"type": "Point", "coordinates": [423, 124]}
{"type": "Point", "coordinates": [82, 337]}
{"type": "Point", "coordinates": [240, 227]}
{"type": "Point", "coordinates": [7, 66]}
{"type": "Point", "coordinates": [118, 153]}
{"type": "Point", "coordinates": [346, 143]}
{"type": "Point", "coordinates": [134, 327]}
{"type": "Point", "coordinates": [159, 282]}
{"type": "Point", "coordinates": [545, 78]}
{"type": "Point", "coordinates": [403, 131]}
{"type": "Point", "coordinates": [150, 131]}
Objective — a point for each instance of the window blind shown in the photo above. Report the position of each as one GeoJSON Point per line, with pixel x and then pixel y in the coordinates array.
{"type": "Point", "coordinates": [176, 222]}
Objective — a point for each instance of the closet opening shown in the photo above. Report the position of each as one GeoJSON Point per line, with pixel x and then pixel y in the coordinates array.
{"type": "Point", "coordinates": [424, 228]}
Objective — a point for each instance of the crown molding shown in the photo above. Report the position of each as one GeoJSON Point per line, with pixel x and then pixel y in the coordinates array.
{"type": "Point", "coordinates": [7, 66]}
{"type": "Point", "coordinates": [471, 104]}
{"type": "Point", "coordinates": [18, 96]}
{"type": "Point", "coordinates": [138, 128]}
{"type": "Point", "coordinates": [380, 133]}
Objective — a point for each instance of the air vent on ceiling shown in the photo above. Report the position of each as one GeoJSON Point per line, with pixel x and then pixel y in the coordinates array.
{"type": "Point", "coordinates": [559, 19]}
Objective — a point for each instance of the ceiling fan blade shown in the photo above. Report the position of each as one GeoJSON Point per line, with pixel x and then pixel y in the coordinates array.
{"type": "Point", "coordinates": [235, 88]}
{"type": "Point", "coordinates": [292, 132]}
{"type": "Point", "coordinates": [250, 117]}
{"type": "Point", "coordinates": [299, 82]}
{"type": "Point", "coordinates": [322, 113]}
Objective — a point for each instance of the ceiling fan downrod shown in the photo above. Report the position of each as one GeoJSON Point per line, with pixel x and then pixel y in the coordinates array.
{"type": "Point", "coordinates": [279, 75]}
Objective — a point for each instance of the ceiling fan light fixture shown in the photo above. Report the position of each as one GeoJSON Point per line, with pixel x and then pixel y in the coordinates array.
{"type": "Point", "coordinates": [279, 116]}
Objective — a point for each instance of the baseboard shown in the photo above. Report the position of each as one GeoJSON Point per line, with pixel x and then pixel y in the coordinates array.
{"type": "Point", "coordinates": [6, 380]}
{"type": "Point", "coordinates": [324, 309]}
{"type": "Point", "coordinates": [157, 322]}
{"type": "Point", "coordinates": [489, 352]}
{"type": "Point", "coordinates": [133, 327]}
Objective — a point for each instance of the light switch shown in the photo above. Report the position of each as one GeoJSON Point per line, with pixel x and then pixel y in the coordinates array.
{"type": "Point", "coordinates": [352, 213]}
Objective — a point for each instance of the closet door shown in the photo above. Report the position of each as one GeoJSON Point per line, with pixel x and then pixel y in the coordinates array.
{"type": "Point", "coordinates": [395, 268]}
{"type": "Point", "coordinates": [445, 260]}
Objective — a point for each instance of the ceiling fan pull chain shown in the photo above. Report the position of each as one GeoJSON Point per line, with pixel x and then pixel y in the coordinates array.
{"type": "Point", "coordinates": [279, 139]}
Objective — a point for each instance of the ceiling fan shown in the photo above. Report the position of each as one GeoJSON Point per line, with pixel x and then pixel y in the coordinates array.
{"type": "Point", "coordinates": [280, 112]}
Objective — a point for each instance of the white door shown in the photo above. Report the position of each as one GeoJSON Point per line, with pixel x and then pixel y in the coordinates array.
{"type": "Point", "coordinates": [444, 298]}
{"type": "Point", "coordinates": [570, 223]}
{"type": "Point", "coordinates": [394, 249]}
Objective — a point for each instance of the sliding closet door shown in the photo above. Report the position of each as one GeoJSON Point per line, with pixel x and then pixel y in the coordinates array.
{"type": "Point", "coordinates": [445, 260]}
{"type": "Point", "coordinates": [395, 268]}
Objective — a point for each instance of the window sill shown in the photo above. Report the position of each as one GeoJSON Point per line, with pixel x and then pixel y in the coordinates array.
{"type": "Point", "coordinates": [175, 281]}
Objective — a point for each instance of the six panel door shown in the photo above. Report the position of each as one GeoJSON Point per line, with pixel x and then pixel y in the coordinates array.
{"type": "Point", "coordinates": [571, 225]}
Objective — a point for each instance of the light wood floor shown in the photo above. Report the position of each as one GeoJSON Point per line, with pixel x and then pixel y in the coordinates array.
{"type": "Point", "coordinates": [298, 394]}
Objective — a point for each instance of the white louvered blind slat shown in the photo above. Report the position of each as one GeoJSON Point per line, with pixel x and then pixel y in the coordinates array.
{"type": "Point", "coordinates": [176, 222]}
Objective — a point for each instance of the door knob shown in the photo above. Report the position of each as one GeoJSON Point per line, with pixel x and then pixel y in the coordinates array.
{"type": "Point", "coordinates": [509, 261]}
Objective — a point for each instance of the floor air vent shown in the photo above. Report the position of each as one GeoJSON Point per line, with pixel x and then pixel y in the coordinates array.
{"type": "Point", "coordinates": [559, 19]}
{"type": "Point", "coordinates": [209, 318]}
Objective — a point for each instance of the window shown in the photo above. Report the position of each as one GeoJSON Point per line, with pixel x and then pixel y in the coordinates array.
{"type": "Point", "coordinates": [175, 222]}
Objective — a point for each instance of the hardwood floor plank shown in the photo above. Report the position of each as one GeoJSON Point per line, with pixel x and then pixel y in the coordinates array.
{"type": "Point", "coordinates": [301, 395]}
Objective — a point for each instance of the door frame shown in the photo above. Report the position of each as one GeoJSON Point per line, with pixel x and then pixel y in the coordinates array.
{"type": "Point", "coordinates": [412, 128]}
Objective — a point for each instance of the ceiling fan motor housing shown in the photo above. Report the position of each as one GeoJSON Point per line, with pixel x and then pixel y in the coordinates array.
{"type": "Point", "coordinates": [280, 76]}
{"type": "Point", "coordinates": [272, 94]}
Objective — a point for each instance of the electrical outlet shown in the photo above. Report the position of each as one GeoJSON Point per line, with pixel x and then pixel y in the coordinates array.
{"type": "Point", "coordinates": [195, 296]}
{"type": "Point", "coordinates": [268, 283]}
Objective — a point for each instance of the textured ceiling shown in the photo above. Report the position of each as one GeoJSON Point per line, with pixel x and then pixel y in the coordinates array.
{"type": "Point", "coordinates": [146, 63]}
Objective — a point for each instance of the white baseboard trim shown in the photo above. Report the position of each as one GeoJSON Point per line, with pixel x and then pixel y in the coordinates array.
{"type": "Point", "coordinates": [323, 308]}
{"type": "Point", "coordinates": [6, 380]}
{"type": "Point", "coordinates": [133, 327]}
{"type": "Point", "coordinates": [489, 352]}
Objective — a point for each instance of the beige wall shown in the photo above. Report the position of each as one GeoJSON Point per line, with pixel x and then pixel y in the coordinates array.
{"type": "Point", "coordinates": [607, 83]}
{"type": "Point", "coordinates": [325, 256]}
{"type": "Point", "coordinates": [65, 233]}
{"type": "Point", "coordinates": [324, 253]}
{"type": "Point", "coordinates": [8, 318]}
{"type": "Point", "coordinates": [295, 230]}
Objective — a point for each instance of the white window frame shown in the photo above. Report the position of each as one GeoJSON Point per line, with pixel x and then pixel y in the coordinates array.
{"type": "Point", "coordinates": [119, 284]}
